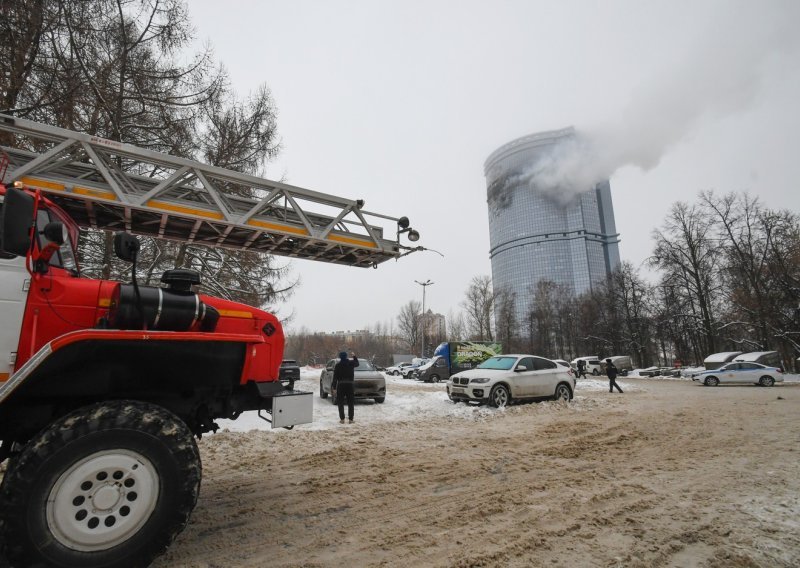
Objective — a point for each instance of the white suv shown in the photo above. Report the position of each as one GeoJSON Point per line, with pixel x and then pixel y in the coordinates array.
{"type": "Point", "coordinates": [593, 365]}
{"type": "Point", "coordinates": [398, 369]}
{"type": "Point", "coordinates": [503, 379]}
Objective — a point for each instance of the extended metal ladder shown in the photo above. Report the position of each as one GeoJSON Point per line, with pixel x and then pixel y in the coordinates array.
{"type": "Point", "coordinates": [184, 200]}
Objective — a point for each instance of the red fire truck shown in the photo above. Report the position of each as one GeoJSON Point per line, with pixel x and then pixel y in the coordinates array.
{"type": "Point", "coordinates": [105, 386]}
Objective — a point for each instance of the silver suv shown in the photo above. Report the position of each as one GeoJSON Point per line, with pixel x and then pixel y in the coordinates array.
{"type": "Point", "coordinates": [368, 382]}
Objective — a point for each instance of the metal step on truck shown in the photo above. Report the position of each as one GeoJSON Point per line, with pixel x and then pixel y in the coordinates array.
{"type": "Point", "coordinates": [105, 386]}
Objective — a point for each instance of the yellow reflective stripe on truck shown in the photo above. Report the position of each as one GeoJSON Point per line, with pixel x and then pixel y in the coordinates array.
{"type": "Point", "coordinates": [278, 227]}
{"type": "Point", "coordinates": [94, 193]}
{"type": "Point", "coordinates": [40, 183]}
{"type": "Point", "coordinates": [351, 241]}
{"type": "Point", "coordinates": [187, 210]}
{"type": "Point", "coordinates": [235, 314]}
{"type": "Point", "coordinates": [53, 186]}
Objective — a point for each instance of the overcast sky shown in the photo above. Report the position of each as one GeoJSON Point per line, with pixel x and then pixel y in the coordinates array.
{"type": "Point", "coordinates": [400, 103]}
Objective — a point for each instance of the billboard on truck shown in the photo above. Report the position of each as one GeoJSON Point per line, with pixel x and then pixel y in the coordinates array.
{"type": "Point", "coordinates": [454, 356]}
{"type": "Point", "coordinates": [465, 355]}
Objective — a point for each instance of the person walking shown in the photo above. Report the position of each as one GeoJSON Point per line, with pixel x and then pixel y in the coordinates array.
{"type": "Point", "coordinates": [581, 368]}
{"type": "Point", "coordinates": [611, 371]}
{"type": "Point", "coordinates": [343, 377]}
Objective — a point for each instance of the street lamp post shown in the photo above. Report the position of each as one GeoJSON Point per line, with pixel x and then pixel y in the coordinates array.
{"type": "Point", "coordinates": [422, 319]}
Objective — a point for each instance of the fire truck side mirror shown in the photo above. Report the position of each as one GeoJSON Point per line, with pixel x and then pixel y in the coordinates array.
{"type": "Point", "coordinates": [126, 247]}
{"type": "Point", "coordinates": [17, 222]}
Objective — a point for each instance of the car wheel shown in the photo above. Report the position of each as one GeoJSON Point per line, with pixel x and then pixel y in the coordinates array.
{"type": "Point", "coordinates": [499, 396]}
{"type": "Point", "coordinates": [595, 372]}
{"type": "Point", "coordinates": [380, 399]}
{"type": "Point", "coordinates": [711, 381]}
{"type": "Point", "coordinates": [396, 373]}
{"type": "Point", "coordinates": [766, 381]}
{"type": "Point", "coordinates": [110, 484]}
{"type": "Point", "coordinates": [322, 393]}
{"type": "Point", "coordinates": [562, 393]}
{"type": "Point", "coordinates": [434, 378]}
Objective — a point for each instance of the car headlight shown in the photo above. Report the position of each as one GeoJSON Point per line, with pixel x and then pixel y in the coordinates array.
{"type": "Point", "coordinates": [479, 381]}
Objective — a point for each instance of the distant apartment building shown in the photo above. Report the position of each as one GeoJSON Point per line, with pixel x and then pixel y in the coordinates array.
{"type": "Point", "coordinates": [434, 325]}
{"type": "Point", "coordinates": [349, 336]}
{"type": "Point", "coordinates": [536, 234]}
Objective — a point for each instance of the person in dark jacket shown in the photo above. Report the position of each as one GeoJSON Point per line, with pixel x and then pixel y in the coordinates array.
{"type": "Point", "coordinates": [581, 368]}
{"type": "Point", "coordinates": [611, 371]}
{"type": "Point", "coordinates": [343, 377]}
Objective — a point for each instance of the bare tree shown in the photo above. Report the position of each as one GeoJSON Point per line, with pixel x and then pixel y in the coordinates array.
{"type": "Point", "coordinates": [409, 324]}
{"type": "Point", "coordinates": [747, 232]}
{"type": "Point", "coordinates": [760, 313]}
{"type": "Point", "coordinates": [23, 27]}
{"type": "Point", "coordinates": [479, 305]}
{"type": "Point", "coordinates": [118, 69]}
{"type": "Point", "coordinates": [506, 322]}
{"type": "Point", "coordinates": [686, 249]}
{"type": "Point", "coordinates": [784, 271]}
{"type": "Point", "coordinates": [456, 327]}
{"type": "Point", "coordinates": [629, 297]}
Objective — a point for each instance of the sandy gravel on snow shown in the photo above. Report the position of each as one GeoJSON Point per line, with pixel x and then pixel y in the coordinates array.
{"type": "Point", "coordinates": [668, 474]}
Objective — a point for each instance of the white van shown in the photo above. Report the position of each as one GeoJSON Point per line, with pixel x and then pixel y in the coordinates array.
{"type": "Point", "coordinates": [767, 358]}
{"type": "Point", "coordinates": [623, 363]}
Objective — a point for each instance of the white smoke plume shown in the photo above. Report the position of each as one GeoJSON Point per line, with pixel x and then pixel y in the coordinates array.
{"type": "Point", "coordinates": [720, 74]}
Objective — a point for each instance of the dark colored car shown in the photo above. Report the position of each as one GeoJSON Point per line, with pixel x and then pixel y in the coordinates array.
{"type": "Point", "coordinates": [650, 372]}
{"type": "Point", "coordinates": [368, 383]}
{"type": "Point", "coordinates": [289, 371]}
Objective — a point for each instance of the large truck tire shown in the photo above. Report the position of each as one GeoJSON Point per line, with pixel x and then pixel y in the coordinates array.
{"type": "Point", "coordinates": [108, 485]}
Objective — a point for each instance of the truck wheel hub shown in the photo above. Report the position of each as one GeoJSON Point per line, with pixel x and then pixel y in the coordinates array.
{"type": "Point", "coordinates": [106, 499]}
{"type": "Point", "coordinates": [102, 500]}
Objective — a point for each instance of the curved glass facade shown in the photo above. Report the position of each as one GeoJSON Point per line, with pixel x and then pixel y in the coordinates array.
{"type": "Point", "coordinates": [537, 234]}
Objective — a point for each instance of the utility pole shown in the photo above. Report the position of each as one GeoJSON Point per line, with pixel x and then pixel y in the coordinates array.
{"type": "Point", "coordinates": [422, 319]}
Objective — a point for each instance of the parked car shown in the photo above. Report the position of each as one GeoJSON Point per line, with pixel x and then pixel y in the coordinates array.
{"type": "Point", "coordinates": [289, 371]}
{"type": "Point", "coordinates": [432, 371]}
{"type": "Point", "coordinates": [561, 362]}
{"type": "Point", "coordinates": [740, 373]}
{"type": "Point", "coordinates": [397, 370]}
{"type": "Point", "coordinates": [690, 371]}
{"type": "Point", "coordinates": [504, 379]}
{"type": "Point", "coordinates": [410, 372]}
{"type": "Point", "coordinates": [368, 383]}
{"type": "Point", "coordinates": [650, 372]}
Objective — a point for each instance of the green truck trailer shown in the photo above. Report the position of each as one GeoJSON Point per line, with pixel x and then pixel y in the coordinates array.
{"type": "Point", "coordinates": [453, 356]}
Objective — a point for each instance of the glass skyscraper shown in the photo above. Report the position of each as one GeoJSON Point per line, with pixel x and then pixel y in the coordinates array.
{"type": "Point", "coordinates": [538, 231]}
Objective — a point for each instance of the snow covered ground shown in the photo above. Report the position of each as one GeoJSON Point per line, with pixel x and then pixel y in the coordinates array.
{"type": "Point", "coordinates": [668, 474]}
{"type": "Point", "coordinates": [407, 400]}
